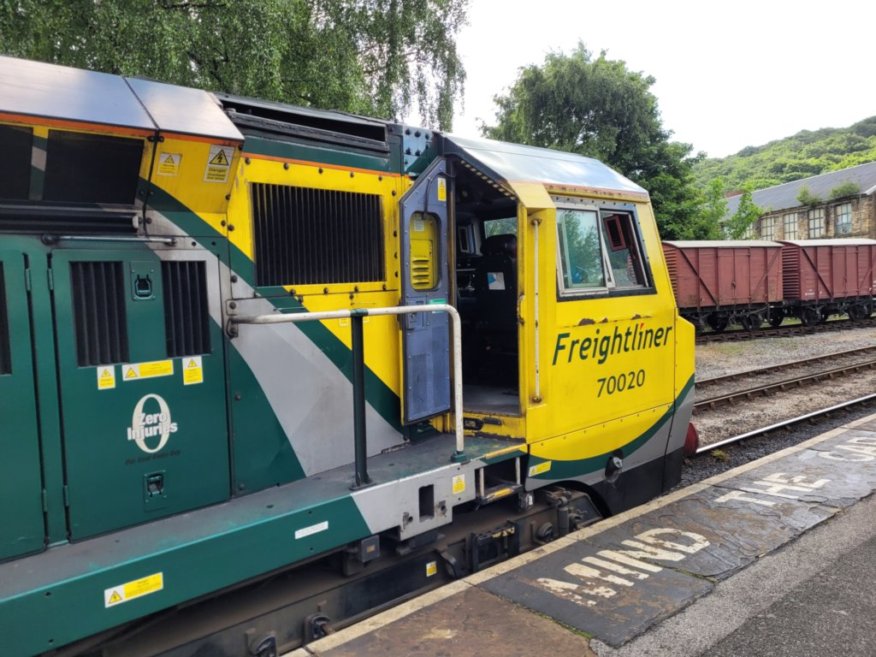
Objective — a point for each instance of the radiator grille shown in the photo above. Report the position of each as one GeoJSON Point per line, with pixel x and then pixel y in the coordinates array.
{"type": "Point", "coordinates": [99, 312]}
{"type": "Point", "coordinates": [5, 355]}
{"type": "Point", "coordinates": [186, 317]}
{"type": "Point", "coordinates": [305, 236]}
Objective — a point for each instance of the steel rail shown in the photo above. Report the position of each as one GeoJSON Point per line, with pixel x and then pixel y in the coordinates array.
{"type": "Point", "coordinates": [782, 385]}
{"type": "Point", "coordinates": [784, 423]}
{"type": "Point", "coordinates": [715, 380]}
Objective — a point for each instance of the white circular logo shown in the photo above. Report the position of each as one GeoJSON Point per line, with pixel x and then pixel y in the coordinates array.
{"type": "Point", "coordinates": [147, 426]}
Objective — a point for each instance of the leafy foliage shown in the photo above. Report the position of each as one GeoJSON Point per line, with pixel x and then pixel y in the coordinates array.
{"type": "Point", "coordinates": [713, 208]}
{"type": "Point", "coordinates": [847, 188]}
{"type": "Point", "coordinates": [805, 197]}
{"type": "Point", "coordinates": [745, 216]}
{"type": "Point", "coordinates": [377, 57]}
{"type": "Point", "coordinates": [599, 108]}
{"type": "Point", "coordinates": [808, 153]}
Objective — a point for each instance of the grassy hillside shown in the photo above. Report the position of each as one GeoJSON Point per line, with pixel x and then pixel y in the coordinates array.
{"type": "Point", "coordinates": [805, 154]}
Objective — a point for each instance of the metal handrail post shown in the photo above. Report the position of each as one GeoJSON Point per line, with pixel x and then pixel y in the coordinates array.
{"type": "Point", "coordinates": [360, 440]}
{"type": "Point", "coordinates": [294, 318]}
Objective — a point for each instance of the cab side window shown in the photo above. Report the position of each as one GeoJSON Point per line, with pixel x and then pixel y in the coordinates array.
{"type": "Point", "coordinates": [598, 251]}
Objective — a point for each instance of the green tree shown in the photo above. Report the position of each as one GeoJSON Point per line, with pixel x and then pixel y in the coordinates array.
{"type": "Point", "coordinates": [599, 108]}
{"type": "Point", "coordinates": [380, 57]}
{"type": "Point", "coordinates": [747, 213]}
{"type": "Point", "coordinates": [713, 209]}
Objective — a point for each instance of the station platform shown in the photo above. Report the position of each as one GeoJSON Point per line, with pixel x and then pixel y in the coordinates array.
{"type": "Point", "coordinates": [774, 557]}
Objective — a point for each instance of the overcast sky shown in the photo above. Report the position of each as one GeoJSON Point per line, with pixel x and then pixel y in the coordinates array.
{"type": "Point", "coordinates": [729, 74]}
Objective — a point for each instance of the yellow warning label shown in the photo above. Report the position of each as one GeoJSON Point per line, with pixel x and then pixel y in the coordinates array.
{"type": "Point", "coordinates": [193, 370]}
{"type": "Point", "coordinates": [220, 159]}
{"type": "Point", "coordinates": [431, 569]}
{"type": "Point", "coordinates": [442, 189]}
{"type": "Point", "coordinates": [218, 164]}
{"type": "Point", "coordinates": [540, 468]}
{"type": "Point", "coordinates": [137, 588]}
{"type": "Point", "coordinates": [458, 484]}
{"type": "Point", "coordinates": [168, 164]}
{"type": "Point", "coordinates": [106, 377]}
{"type": "Point", "coordinates": [150, 370]}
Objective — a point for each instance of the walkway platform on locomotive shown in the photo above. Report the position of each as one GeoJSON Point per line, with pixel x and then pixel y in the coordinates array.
{"type": "Point", "coordinates": [771, 554]}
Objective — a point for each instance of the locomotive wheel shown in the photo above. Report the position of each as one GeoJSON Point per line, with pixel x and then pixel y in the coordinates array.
{"type": "Point", "coordinates": [717, 322]}
{"type": "Point", "coordinates": [776, 318]}
{"type": "Point", "coordinates": [810, 316]}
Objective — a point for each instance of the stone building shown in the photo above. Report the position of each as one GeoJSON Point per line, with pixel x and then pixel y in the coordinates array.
{"type": "Point", "coordinates": [840, 204]}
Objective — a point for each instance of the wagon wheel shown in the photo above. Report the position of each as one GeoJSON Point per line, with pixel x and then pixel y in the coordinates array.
{"type": "Point", "coordinates": [749, 322]}
{"type": "Point", "coordinates": [859, 311]}
{"type": "Point", "coordinates": [776, 318]}
{"type": "Point", "coordinates": [810, 316]}
{"type": "Point", "coordinates": [717, 322]}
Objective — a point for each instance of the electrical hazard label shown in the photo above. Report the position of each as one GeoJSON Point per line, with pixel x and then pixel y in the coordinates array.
{"type": "Point", "coordinates": [137, 371]}
{"type": "Point", "coordinates": [218, 164]}
{"type": "Point", "coordinates": [458, 484]}
{"type": "Point", "coordinates": [442, 190]}
{"type": "Point", "coordinates": [106, 377]}
{"type": "Point", "coordinates": [168, 164]}
{"type": "Point", "coordinates": [137, 588]}
{"type": "Point", "coordinates": [193, 370]}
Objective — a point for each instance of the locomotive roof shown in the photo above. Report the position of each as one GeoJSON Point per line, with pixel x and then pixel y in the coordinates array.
{"type": "Point", "coordinates": [37, 89]}
{"type": "Point", "coordinates": [513, 163]}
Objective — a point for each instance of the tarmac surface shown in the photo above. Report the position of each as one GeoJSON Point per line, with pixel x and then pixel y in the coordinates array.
{"type": "Point", "coordinates": [773, 558]}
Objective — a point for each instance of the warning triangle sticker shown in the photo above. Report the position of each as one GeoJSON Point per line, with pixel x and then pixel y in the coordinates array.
{"type": "Point", "coordinates": [219, 159]}
{"type": "Point", "coordinates": [191, 364]}
{"type": "Point", "coordinates": [115, 597]}
{"type": "Point", "coordinates": [130, 374]}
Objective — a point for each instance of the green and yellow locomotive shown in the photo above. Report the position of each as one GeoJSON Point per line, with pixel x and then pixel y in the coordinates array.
{"type": "Point", "coordinates": [237, 337]}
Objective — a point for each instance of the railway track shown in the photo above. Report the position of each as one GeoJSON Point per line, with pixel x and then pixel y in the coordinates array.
{"type": "Point", "coordinates": [807, 417]}
{"type": "Point", "coordinates": [714, 401]}
{"type": "Point", "coordinates": [767, 388]}
{"type": "Point", "coordinates": [784, 331]}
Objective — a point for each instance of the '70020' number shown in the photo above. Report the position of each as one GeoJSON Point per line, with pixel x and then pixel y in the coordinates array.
{"type": "Point", "coordinates": [620, 382]}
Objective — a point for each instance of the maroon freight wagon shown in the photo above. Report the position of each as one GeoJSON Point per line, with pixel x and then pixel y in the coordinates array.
{"type": "Point", "coordinates": [718, 282]}
{"type": "Point", "coordinates": [826, 277]}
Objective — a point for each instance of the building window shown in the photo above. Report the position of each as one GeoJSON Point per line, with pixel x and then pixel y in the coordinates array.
{"type": "Point", "coordinates": [749, 233]}
{"type": "Point", "coordinates": [844, 219]}
{"type": "Point", "coordinates": [816, 223]}
{"type": "Point", "coordinates": [790, 226]}
{"type": "Point", "coordinates": [768, 228]}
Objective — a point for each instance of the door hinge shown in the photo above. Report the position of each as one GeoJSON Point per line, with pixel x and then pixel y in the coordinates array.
{"type": "Point", "coordinates": [66, 496]}
{"type": "Point", "coordinates": [27, 283]}
{"type": "Point", "coordinates": [45, 497]}
{"type": "Point", "coordinates": [51, 279]}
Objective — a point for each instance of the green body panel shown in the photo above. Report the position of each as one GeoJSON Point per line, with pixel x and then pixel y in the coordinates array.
{"type": "Point", "coordinates": [226, 545]}
{"type": "Point", "coordinates": [262, 455]}
{"type": "Point", "coordinates": [331, 156]}
{"type": "Point", "coordinates": [21, 509]}
{"type": "Point", "coordinates": [108, 470]}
